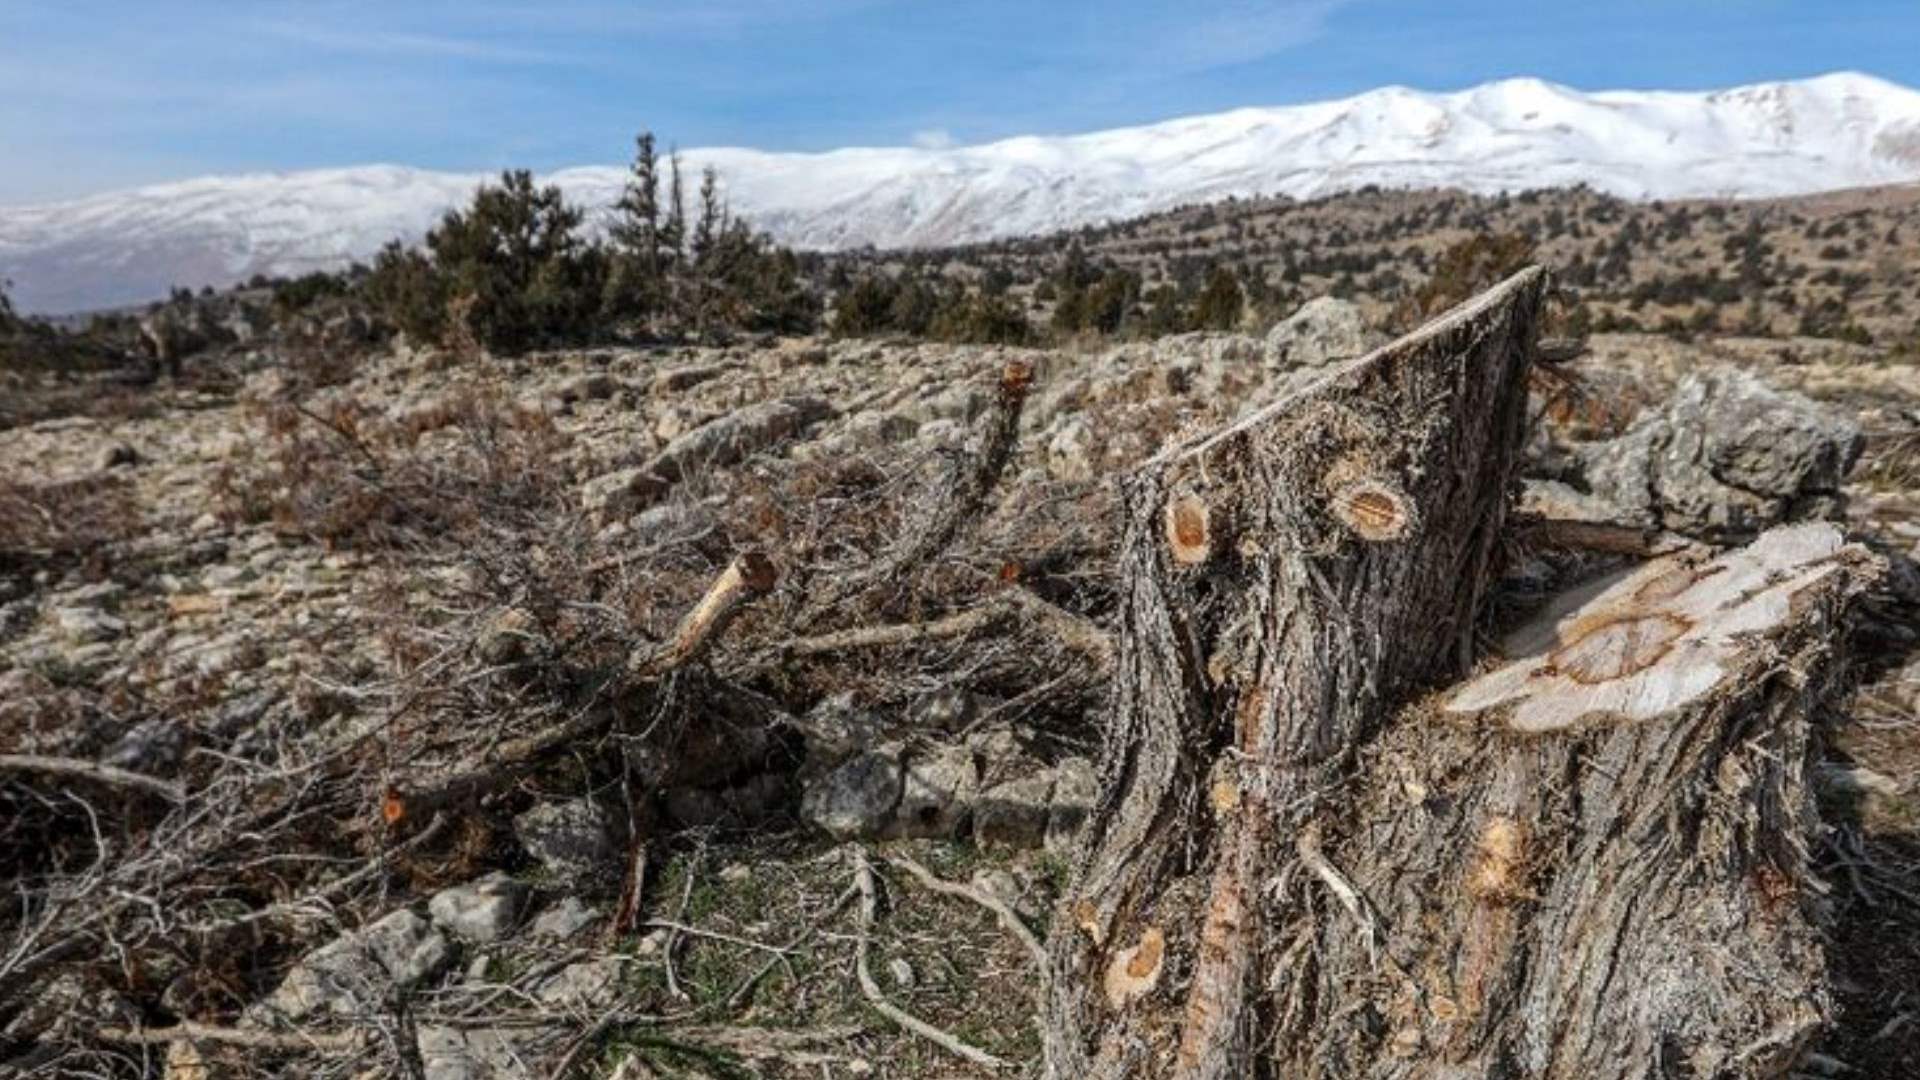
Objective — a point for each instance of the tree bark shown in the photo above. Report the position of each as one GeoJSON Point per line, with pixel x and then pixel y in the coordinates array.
{"type": "Point", "coordinates": [1258, 893]}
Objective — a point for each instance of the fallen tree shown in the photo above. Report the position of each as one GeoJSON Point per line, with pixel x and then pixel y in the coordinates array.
{"type": "Point", "coordinates": [1589, 863]}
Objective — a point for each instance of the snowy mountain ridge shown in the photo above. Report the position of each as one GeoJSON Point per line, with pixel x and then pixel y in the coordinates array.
{"type": "Point", "coordinates": [1772, 139]}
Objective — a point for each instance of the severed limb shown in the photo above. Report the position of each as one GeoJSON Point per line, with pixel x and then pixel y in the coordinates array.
{"type": "Point", "coordinates": [750, 575]}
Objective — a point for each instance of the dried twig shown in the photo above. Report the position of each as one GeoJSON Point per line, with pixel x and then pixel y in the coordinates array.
{"type": "Point", "coordinates": [961, 500]}
{"type": "Point", "coordinates": [91, 770]}
{"type": "Point", "coordinates": [749, 575]}
{"type": "Point", "coordinates": [190, 1031]}
{"type": "Point", "coordinates": [1606, 537]}
{"type": "Point", "coordinates": [1007, 916]}
{"type": "Point", "coordinates": [869, 907]}
{"type": "Point", "coordinates": [747, 984]}
{"type": "Point", "coordinates": [1078, 634]}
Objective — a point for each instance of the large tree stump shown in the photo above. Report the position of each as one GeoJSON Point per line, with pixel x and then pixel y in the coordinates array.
{"type": "Point", "coordinates": [1290, 872]}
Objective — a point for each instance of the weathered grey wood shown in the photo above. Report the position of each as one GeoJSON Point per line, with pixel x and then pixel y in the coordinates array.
{"type": "Point", "coordinates": [1590, 864]}
{"type": "Point", "coordinates": [1347, 534]}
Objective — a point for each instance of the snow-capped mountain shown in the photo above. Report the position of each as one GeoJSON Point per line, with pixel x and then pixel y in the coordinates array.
{"type": "Point", "coordinates": [1785, 138]}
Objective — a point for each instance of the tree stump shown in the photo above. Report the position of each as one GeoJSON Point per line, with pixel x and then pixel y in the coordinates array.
{"type": "Point", "coordinates": [1298, 869]}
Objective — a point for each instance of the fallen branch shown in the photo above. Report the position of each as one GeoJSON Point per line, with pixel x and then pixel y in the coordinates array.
{"type": "Point", "coordinates": [91, 770]}
{"type": "Point", "coordinates": [1567, 534]}
{"type": "Point", "coordinates": [961, 500]}
{"type": "Point", "coordinates": [190, 1031]}
{"type": "Point", "coordinates": [750, 574]}
{"type": "Point", "coordinates": [1007, 916]}
{"type": "Point", "coordinates": [1079, 634]}
{"type": "Point", "coordinates": [869, 906]}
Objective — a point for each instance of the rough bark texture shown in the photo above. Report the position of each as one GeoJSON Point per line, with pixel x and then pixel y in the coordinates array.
{"type": "Point", "coordinates": [1351, 526]}
{"type": "Point", "coordinates": [1297, 869]}
{"type": "Point", "coordinates": [1625, 894]}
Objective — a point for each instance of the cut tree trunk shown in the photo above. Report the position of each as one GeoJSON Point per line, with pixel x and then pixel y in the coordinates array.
{"type": "Point", "coordinates": [1295, 869]}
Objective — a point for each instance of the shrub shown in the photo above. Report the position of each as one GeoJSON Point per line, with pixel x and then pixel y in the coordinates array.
{"type": "Point", "coordinates": [1463, 271]}
{"type": "Point", "coordinates": [1219, 305]}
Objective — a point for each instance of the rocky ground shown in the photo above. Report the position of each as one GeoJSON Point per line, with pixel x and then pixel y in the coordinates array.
{"type": "Point", "coordinates": [235, 612]}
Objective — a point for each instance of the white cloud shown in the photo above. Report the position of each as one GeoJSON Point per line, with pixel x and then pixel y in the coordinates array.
{"type": "Point", "coordinates": [933, 138]}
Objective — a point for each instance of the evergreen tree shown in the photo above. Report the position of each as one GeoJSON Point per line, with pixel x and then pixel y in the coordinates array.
{"type": "Point", "coordinates": [515, 260]}
{"type": "Point", "coordinates": [1220, 302]}
{"type": "Point", "coordinates": [674, 236]}
{"type": "Point", "coordinates": [635, 280]}
{"type": "Point", "coordinates": [636, 228]}
{"type": "Point", "coordinates": [713, 217]}
{"type": "Point", "coordinates": [864, 308]}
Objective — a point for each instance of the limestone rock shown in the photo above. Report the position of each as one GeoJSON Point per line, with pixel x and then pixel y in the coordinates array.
{"type": "Point", "coordinates": [938, 794]}
{"type": "Point", "coordinates": [563, 919]}
{"type": "Point", "coordinates": [1727, 457]}
{"type": "Point", "coordinates": [858, 798]}
{"type": "Point", "coordinates": [1014, 813]}
{"type": "Point", "coordinates": [737, 436]}
{"type": "Point", "coordinates": [483, 910]}
{"type": "Point", "coordinates": [355, 971]}
{"type": "Point", "coordinates": [573, 840]}
{"type": "Point", "coordinates": [1323, 330]}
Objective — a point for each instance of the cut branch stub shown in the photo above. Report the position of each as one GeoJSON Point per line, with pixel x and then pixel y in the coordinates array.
{"type": "Point", "coordinates": [1662, 636]}
{"type": "Point", "coordinates": [1364, 511]}
{"type": "Point", "coordinates": [1189, 534]}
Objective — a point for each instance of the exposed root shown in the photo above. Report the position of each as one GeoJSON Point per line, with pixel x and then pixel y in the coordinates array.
{"type": "Point", "coordinates": [1008, 917]}
{"type": "Point", "coordinates": [869, 909]}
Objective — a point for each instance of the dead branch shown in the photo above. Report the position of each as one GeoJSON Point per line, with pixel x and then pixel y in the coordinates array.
{"type": "Point", "coordinates": [191, 1031]}
{"type": "Point", "coordinates": [749, 575]}
{"type": "Point", "coordinates": [1079, 634]}
{"type": "Point", "coordinates": [961, 500]}
{"type": "Point", "coordinates": [1007, 916]}
{"type": "Point", "coordinates": [1566, 534]}
{"type": "Point", "coordinates": [94, 771]}
{"type": "Point", "coordinates": [869, 907]}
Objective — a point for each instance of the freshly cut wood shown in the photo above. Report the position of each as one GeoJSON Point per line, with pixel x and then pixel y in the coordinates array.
{"type": "Point", "coordinates": [1663, 636]}
{"type": "Point", "coordinates": [1589, 861]}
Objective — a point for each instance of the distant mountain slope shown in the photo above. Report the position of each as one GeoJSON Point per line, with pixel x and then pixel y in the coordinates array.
{"type": "Point", "coordinates": [1785, 138]}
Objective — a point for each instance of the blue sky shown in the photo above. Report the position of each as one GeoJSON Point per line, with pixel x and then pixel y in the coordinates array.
{"type": "Point", "coordinates": [99, 95]}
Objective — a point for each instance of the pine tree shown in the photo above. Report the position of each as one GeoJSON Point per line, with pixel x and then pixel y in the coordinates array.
{"type": "Point", "coordinates": [636, 228]}
{"type": "Point", "coordinates": [713, 217]}
{"type": "Point", "coordinates": [1219, 303]}
{"type": "Point", "coordinates": [674, 238]}
{"type": "Point", "coordinates": [636, 285]}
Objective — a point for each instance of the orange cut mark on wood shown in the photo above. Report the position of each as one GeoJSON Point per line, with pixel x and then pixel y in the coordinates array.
{"type": "Point", "coordinates": [1499, 870]}
{"type": "Point", "coordinates": [1376, 512]}
{"type": "Point", "coordinates": [1135, 970]}
{"type": "Point", "coordinates": [1189, 534]}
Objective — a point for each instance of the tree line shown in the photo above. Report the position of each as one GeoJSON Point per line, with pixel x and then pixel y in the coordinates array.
{"type": "Point", "coordinates": [515, 268]}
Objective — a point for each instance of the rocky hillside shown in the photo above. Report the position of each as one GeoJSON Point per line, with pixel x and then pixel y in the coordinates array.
{"type": "Point", "coordinates": [1833, 265]}
{"type": "Point", "coordinates": [696, 711]}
